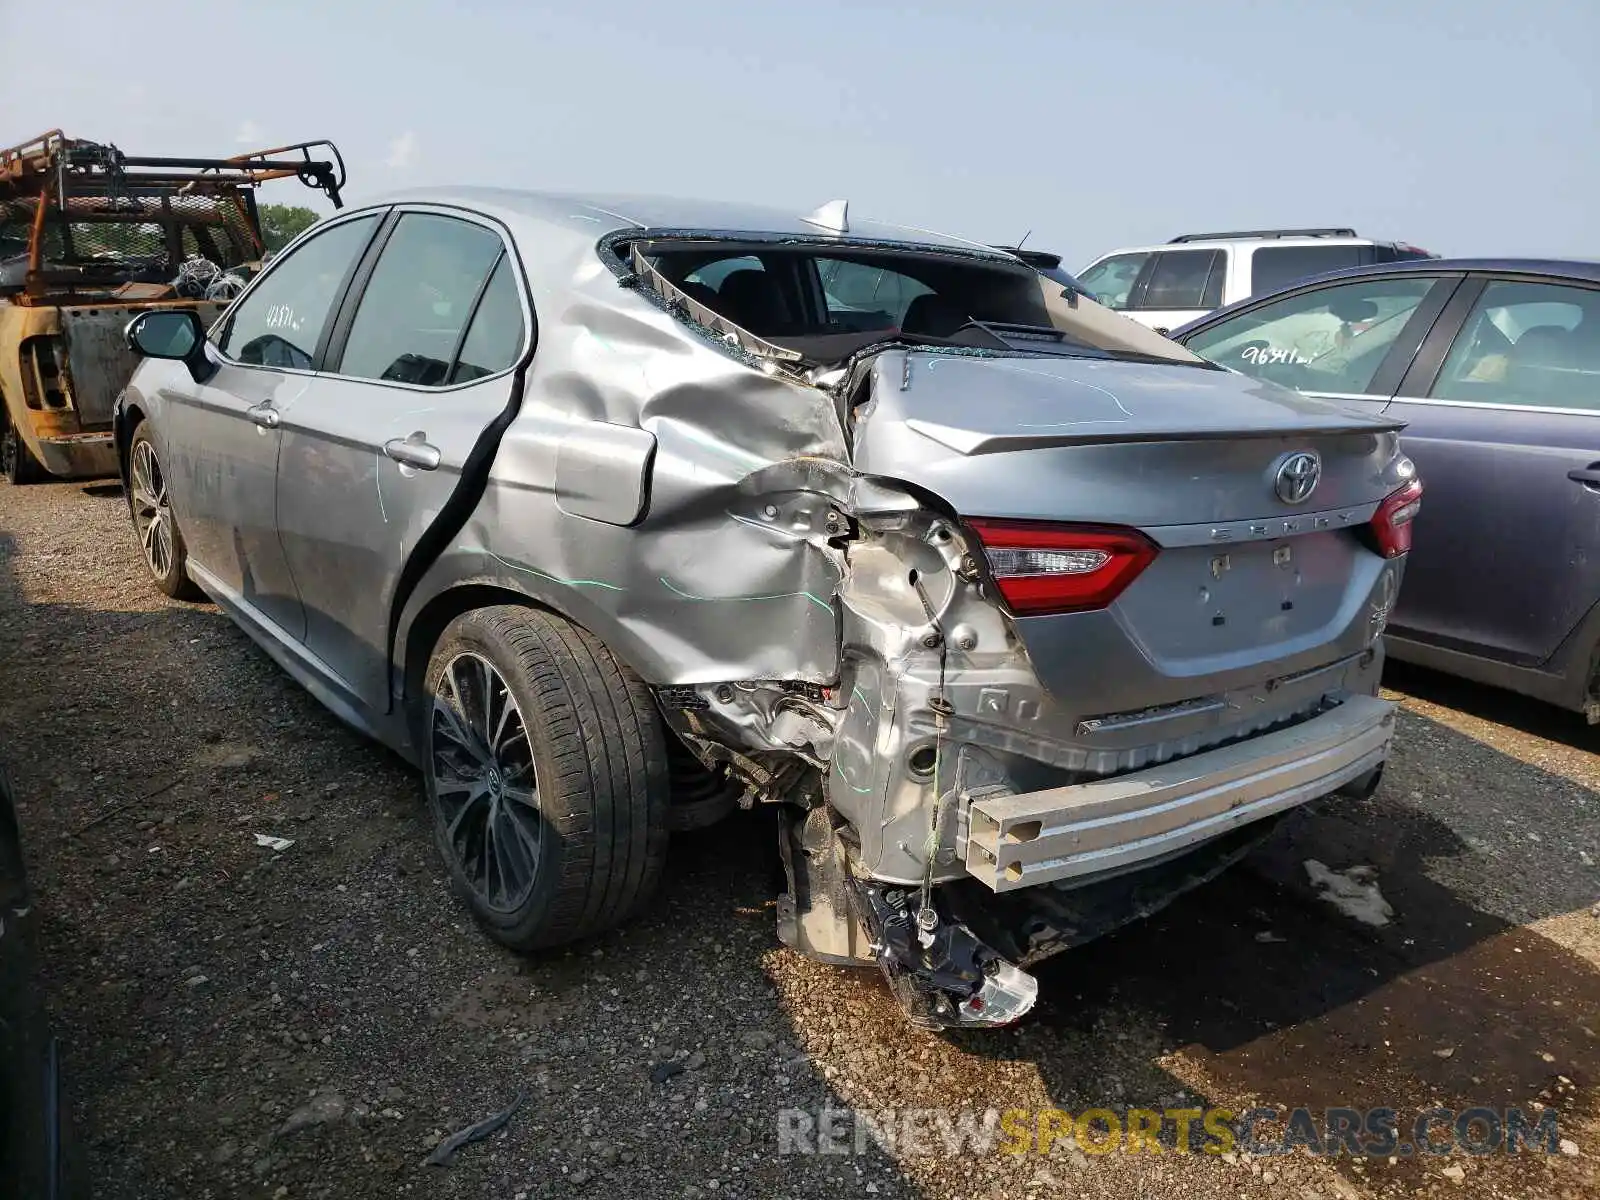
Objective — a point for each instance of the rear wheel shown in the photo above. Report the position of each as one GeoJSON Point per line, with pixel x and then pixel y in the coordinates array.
{"type": "Point", "coordinates": [17, 462]}
{"type": "Point", "coordinates": [546, 774]}
{"type": "Point", "coordinates": [165, 555]}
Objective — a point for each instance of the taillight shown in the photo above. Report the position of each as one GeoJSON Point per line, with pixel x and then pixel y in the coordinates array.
{"type": "Point", "coordinates": [1047, 568]}
{"type": "Point", "coordinates": [1391, 524]}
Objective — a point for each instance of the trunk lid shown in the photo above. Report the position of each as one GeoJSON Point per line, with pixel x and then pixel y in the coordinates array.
{"type": "Point", "coordinates": [1246, 587]}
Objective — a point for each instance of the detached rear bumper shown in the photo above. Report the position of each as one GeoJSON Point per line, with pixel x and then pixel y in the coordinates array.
{"type": "Point", "coordinates": [1109, 825]}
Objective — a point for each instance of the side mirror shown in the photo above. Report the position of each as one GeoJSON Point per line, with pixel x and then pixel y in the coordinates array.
{"type": "Point", "coordinates": [172, 333]}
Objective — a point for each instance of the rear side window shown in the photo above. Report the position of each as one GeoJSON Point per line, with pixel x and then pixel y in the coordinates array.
{"type": "Point", "coordinates": [1182, 279]}
{"type": "Point", "coordinates": [419, 300]}
{"type": "Point", "coordinates": [494, 339]}
{"type": "Point", "coordinates": [1273, 268]}
{"type": "Point", "coordinates": [1527, 343]}
{"type": "Point", "coordinates": [1110, 281]}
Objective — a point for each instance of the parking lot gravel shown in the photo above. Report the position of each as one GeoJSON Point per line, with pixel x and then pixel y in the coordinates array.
{"type": "Point", "coordinates": [313, 1019]}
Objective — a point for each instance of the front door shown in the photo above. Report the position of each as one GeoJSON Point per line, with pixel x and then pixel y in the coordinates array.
{"type": "Point", "coordinates": [221, 439]}
{"type": "Point", "coordinates": [1504, 426]}
{"type": "Point", "coordinates": [375, 447]}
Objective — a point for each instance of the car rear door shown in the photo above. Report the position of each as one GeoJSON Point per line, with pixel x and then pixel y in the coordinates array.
{"type": "Point", "coordinates": [419, 368]}
{"type": "Point", "coordinates": [1503, 420]}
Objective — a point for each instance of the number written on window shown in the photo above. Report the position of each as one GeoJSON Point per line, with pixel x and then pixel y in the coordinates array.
{"type": "Point", "coordinates": [282, 319]}
{"type": "Point", "coordinates": [1332, 339]}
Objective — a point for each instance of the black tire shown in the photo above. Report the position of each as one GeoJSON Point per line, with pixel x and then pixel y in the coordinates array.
{"type": "Point", "coordinates": [592, 827]}
{"type": "Point", "coordinates": [17, 462]}
{"type": "Point", "coordinates": [168, 563]}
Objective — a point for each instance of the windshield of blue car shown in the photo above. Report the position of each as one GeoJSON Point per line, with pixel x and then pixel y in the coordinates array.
{"type": "Point", "coordinates": [828, 301]}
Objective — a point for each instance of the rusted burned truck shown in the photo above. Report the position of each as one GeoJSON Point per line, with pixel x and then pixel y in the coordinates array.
{"type": "Point", "coordinates": [90, 237]}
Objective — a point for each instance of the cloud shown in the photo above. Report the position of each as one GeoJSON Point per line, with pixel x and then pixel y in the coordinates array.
{"type": "Point", "coordinates": [403, 151]}
{"type": "Point", "coordinates": [249, 134]}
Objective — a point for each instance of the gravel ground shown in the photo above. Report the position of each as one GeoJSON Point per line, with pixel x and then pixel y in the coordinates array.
{"type": "Point", "coordinates": [242, 1022]}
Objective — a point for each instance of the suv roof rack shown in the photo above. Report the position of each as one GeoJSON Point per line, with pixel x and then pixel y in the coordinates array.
{"type": "Point", "coordinates": [1330, 231]}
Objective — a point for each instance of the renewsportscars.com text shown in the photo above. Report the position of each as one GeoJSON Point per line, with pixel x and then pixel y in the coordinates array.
{"type": "Point", "coordinates": [1367, 1133]}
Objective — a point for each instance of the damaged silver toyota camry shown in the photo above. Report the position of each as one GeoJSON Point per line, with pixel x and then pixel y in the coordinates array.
{"type": "Point", "coordinates": [617, 515]}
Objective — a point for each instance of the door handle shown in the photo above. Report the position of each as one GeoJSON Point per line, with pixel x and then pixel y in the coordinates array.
{"type": "Point", "coordinates": [413, 451]}
{"type": "Point", "coordinates": [264, 415]}
{"type": "Point", "coordinates": [1588, 476]}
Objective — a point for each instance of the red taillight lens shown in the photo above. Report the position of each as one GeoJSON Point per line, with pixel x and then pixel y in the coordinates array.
{"type": "Point", "coordinates": [1047, 568]}
{"type": "Point", "coordinates": [1391, 524]}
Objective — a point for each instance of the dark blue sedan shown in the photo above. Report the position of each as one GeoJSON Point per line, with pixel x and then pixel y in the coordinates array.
{"type": "Point", "coordinates": [1494, 364]}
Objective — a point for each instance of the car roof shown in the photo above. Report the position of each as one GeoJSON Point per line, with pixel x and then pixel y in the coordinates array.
{"type": "Point", "coordinates": [1565, 268]}
{"type": "Point", "coordinates": [1586, 270]}
{"type": "Point", "coordinates": [602, 214]}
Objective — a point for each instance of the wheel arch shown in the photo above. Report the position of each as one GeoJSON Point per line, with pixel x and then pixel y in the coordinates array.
{"type": "Point", "coordinates": [126, 416]}
{"type": "Point", "coordinates": [421, 633]}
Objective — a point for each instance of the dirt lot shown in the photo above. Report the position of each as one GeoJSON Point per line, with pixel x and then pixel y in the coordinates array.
{"type": "Point", "coordinates": [213, 994]}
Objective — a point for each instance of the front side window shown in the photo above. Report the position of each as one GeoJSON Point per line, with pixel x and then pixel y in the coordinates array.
{"type": "Point", "coordinates": [1332, 339]}
{"type": "Point", "coordinates": [419, 299]}
{"type": "Point", "coordinates": [1110, 281]}
{"type": "Point", "coordinates": [1527, 343]}
{"type": "Point", "coordinates": [281, 321]}
{"type": "Point", "coordinates": [1273, 268]}
{"type": "Point", "coordinates": [1182, 279]}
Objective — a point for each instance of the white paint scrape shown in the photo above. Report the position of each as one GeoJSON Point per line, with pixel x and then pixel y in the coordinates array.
{"type": "Point", "coordinates": [1353, 892]}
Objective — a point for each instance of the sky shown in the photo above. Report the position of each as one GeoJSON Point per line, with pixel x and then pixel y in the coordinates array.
{"type": "Point", "coordinates": [1466, 126]}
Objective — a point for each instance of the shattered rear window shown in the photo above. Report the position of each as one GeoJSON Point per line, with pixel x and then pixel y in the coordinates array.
{"type": "Point", "coordinates": [798, 304]}
{"type": "Point", "coordinates": [788, 292]}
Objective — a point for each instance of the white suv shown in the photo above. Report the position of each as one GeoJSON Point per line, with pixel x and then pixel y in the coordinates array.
{"type": "Point", "coordinates": [1164, 287]}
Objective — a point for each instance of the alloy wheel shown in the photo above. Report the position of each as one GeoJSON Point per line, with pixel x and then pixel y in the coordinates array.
{"type": "Point", "coordinates": [486, 796]}
{"type": "Point", "coordinates": [152, 515]}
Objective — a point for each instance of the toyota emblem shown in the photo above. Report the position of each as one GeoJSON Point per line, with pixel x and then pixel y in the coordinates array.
{"type": "Point", "coordinates": [1297, 477]}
